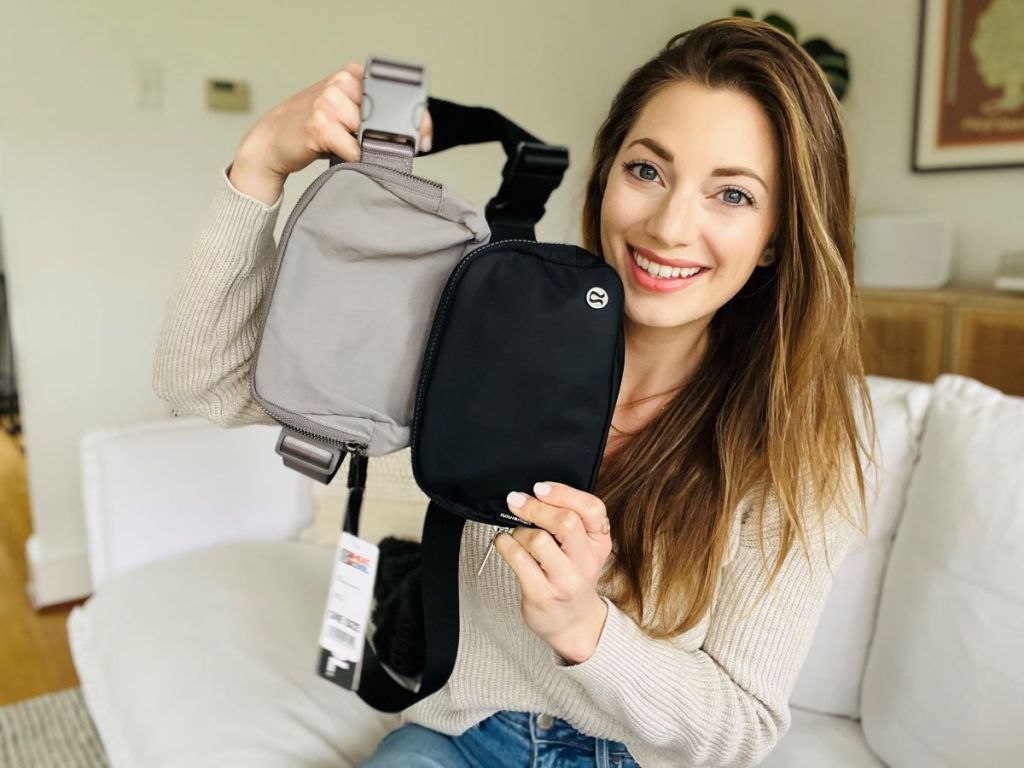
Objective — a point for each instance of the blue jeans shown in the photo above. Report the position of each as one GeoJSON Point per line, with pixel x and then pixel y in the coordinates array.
{"type": "Point", "coordinates": [506, 739]}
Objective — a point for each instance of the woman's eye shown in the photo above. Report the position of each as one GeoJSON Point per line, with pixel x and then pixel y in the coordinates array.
{"type": "Point", "coordinates": [736, 196]}
{"type": "Point", "coordinates": [647, 171]}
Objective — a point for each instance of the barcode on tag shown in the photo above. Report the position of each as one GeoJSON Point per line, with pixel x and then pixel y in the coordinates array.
{"type": "Point", "coordinates": [345, 638]}
{"type": "Point", "coordinates": [343, 631]}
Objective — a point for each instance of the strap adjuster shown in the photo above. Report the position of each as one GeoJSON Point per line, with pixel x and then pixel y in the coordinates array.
{"type": "Point", "coordinates": [317, 460]}
{"type": "Point", "coordinates": [528, 179]}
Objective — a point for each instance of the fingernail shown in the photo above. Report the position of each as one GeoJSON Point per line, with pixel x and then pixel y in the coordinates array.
{"type": "Point", "coordinates": [426, 144]}
{"type": "Point", "coordinates": [606, 526]}
{"type": "Point", "coordinates": [541, 489]}
{"type": "Point", "coordinates": [516, 499]}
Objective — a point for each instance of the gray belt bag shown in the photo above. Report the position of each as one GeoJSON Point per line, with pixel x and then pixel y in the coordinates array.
{"type": "Point", "coordinates": [362, 262]}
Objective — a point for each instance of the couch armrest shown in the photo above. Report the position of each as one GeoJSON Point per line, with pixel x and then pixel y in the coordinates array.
{"type": "Point", "coordinates": [157, 489]}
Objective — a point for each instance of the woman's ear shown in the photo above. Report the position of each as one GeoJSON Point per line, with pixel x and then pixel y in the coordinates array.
{"type": "Point", "coordinates": [767, 258]}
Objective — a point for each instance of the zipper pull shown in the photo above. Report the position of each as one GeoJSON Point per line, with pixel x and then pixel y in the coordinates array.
{"type": "Point", "coordinates": [490, 549]}
{"type": "Point", "coordinates": [357, 448]}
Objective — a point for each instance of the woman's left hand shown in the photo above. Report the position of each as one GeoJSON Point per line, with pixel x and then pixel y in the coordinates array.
{"type": "Point", "coordinates": [558, 565]}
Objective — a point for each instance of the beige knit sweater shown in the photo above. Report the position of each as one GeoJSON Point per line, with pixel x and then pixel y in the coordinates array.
{"type": "Point", "coordinates": [714, 696]}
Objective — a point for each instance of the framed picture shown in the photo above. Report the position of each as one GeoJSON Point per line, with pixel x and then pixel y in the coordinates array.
{"type": "Point", "coordinates": [969, 110]}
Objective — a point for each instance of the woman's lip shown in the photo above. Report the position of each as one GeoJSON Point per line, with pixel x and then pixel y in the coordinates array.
{"type": "Point", "coordinates": [685, 264]}
{"type": "Point", "coordinates": [660, 284]}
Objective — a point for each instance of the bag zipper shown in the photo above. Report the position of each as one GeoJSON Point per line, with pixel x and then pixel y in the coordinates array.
{"type": "Point", "coordinates": [349, 446]}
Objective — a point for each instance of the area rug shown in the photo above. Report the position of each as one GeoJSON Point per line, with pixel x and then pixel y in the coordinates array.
{"type": "Point", "coordinates": [50, 731]}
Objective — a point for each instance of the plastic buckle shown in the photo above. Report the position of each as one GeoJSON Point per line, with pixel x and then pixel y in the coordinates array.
{"type": "Point", "coordinates": [319, 461]}
{"type": "Point", "coordinates": [538, 159]}
{"type": "Point", "coordinates": [529, 178]}
{"type": "Point", "coordinates": [394, 102]}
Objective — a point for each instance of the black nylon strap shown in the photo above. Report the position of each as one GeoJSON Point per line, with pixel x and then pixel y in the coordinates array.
{"type": "Point", "coordinates": [442, 540]}
{"type": "Point", "coordinates": [357, 466]}
{"type": "Point", "coordinates": [456, 125]}
{"type": "Point", "coordinates": [533, 169]}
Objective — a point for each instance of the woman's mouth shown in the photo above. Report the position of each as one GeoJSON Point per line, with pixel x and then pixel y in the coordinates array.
{"type": "Point", "coordinates": [660, 278]}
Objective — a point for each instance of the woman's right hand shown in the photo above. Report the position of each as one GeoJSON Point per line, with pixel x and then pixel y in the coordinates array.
{"type": "Point", "coordinates": [323, 118]}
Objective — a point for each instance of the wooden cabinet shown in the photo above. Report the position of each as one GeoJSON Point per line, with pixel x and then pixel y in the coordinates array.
{"type": "Point", "coordinates": [920, 334]}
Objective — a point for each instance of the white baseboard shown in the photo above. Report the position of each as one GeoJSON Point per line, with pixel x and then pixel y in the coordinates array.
{"type": "Point", "coordinates": [55, 577]}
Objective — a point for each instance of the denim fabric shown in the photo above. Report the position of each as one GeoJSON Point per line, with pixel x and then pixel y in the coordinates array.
{"type": "Point", "coordinates": [506, 739]}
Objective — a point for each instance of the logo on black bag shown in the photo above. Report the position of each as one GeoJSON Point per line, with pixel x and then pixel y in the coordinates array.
{"type": "Point", "coordinates": [597, 298]}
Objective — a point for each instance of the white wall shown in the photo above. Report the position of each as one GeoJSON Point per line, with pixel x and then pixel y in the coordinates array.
{"type": "Point", "coordinates": [100, 201]}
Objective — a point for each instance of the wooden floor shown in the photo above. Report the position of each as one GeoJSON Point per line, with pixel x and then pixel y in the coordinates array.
{"type": "Point", "coordinates": [34, 654]}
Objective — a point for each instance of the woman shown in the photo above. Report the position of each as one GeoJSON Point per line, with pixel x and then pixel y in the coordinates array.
{"type": "Point", "coordinates": [664, 618]}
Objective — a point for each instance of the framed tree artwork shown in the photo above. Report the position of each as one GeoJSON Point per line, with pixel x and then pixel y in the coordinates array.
{"type": "Point", "coordinates": [969, 111]}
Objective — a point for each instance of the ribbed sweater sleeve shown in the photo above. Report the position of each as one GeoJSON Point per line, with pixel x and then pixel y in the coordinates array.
{"type": "Point", "coordinates": [211, 324]}
{"type": "Point", "coordinates": [724, 704]}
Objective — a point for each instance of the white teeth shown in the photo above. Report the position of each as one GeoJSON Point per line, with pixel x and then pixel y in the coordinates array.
{"type": "Point", "coordinates": [661, 270]}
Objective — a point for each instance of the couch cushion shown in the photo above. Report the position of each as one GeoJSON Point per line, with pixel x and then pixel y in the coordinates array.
{"type": "Point", "coordinates": [831, 676]}
{"type": "Point", "coordinates": [208, 659]}
{"type": "Point", "coordinates": [815, 740]}
{"type": "Point", "coordinates": [944, 678]}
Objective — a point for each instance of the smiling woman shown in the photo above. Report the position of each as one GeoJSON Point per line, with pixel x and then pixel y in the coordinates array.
{"type": "Point", "coordinates": [664, 617]}
{"type": "Point", "coordinates": [675, 218]}
{"type": "Point", "coordinates": [707, 156]}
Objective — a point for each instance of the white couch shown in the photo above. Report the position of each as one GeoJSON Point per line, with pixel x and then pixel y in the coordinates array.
{"type": "Point", "coordinates": [198, 646]}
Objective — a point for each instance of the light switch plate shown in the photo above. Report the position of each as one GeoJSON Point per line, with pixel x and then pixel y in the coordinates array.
{"type": "Point", "coordinates": [227, 95]}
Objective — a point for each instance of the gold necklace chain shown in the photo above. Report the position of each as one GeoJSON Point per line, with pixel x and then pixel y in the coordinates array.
{"type": "Point", "coordinates": [643, 400]}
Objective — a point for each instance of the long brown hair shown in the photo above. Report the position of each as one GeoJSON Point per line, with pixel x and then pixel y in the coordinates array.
{"type": "Point", "coordinates": [771, 410]}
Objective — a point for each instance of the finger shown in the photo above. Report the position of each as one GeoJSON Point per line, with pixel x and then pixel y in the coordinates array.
{"type": "Point", "coordinates": [426, 132]}
{"type": "Point", "coordinates": [531, 578]}
{"type": "Point", "coordinates": [350, 81]}
{"type": "Point", "coordinates": [339, 106]}
{"type": "Point", "coordinates": [331, 136]}
{"type": "Point", "coordinates": [563, 575]}
{"type": "Point", "coordinates": [559, 570]}
{"type": "Point", "coordinates": [564, 524]}
{"type": "Point", "coordinates": [588, 506]}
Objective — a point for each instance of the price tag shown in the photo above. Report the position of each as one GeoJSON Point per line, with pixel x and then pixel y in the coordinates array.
{"type": "Point", "coordinates": [343, 629]}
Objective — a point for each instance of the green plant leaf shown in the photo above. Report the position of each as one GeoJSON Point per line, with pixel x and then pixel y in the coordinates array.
{"type": "Point", "coordinates": [833, 62]}
{"type": "Point", "coordinates": [781, 22]}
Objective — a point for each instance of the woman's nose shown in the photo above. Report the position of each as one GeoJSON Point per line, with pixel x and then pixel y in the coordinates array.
{"type": "Point", "coordinates": [674, 221]}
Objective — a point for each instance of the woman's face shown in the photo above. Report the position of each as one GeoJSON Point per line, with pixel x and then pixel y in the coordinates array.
{"type": "Point", "coordinates": [696, 205]}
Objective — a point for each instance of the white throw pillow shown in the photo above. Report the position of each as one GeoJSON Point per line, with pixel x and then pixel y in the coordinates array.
{"type": "Point", "coordinates": [945, 676]}
{"type": "Point", "coordinates": [831, 676]}
{"type": "Point", "coordinates": [208, 660]}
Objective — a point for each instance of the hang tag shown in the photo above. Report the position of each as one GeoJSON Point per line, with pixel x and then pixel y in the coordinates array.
{"type": "Point", "coordinates": [343, 630]}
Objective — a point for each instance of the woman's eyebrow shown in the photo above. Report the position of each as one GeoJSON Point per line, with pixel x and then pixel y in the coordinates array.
{"type": "Point", "coordinates": [656, 148]}
{"type": "Point", "coordinates": [668, 157]}
{"type": "Point", "coordinates": [738, 171]}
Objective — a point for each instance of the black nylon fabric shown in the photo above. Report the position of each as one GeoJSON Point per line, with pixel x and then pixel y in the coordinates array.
{"type": "Point", "coordinates": [520, 377]}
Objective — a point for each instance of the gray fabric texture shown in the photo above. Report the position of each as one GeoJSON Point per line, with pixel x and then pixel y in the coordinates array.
{"type": "Point", "coordinates": [362, 263]}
